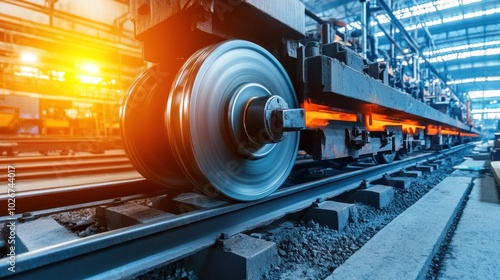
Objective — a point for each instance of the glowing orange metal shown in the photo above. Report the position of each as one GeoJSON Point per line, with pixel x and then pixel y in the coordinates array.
{"type": "Point", "coordinates": [433, 130]}
{"type": "Point", "coordinates": [319, 115]}
{"type": "Point", "coordinates": [468, 134]}
{"type": "Point", "coordinates": [449, 132]}
{"type": "Point", "coordinates": [377, 122]}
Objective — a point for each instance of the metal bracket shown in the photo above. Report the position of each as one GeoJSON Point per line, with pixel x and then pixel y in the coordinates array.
{"type": "Point", "coordinates": [357, 138]}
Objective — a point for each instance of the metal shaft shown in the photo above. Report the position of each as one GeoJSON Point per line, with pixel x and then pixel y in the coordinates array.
{"type": "Point", "coordinates": [325, 34]}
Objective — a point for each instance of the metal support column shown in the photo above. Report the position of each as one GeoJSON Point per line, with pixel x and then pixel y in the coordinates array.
{"type": "Point", "coordinates": [364, 27]}
{"type": "Point", "coordinates": [392, 52]}
{"type": "Point", "coordinates": [416, 67]}
{"type": "Point", "coordinates": [325, 34]}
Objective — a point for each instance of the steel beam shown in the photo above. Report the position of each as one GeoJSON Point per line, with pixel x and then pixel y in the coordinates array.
{"type": "Point", "coordinates": [409, 39]}
{"type": "Point", "coordinates": [234, 16]}
{"type": "Point", "coordinates": [357, 91]}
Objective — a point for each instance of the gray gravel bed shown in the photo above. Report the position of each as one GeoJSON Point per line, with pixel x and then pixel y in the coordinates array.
{"type": "Point", "coordinates": [310, 251]}
{"type": "Point", "coordinates": [84, 222]}
{"type": "Point", "coordinates": [81, 222]}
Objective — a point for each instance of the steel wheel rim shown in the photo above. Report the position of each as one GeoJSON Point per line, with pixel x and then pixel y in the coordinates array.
{"type": "Point", "coordinates": [200, 125]}
{"type": "Point", "coordinates": [143, 132]}
{"type": "Point", "coordinates": [385, 157]}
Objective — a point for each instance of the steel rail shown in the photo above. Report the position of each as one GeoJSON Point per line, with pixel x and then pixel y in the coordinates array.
{"type": "Point", "coordinates": [57, 170]}
{"type": "Point", "coordinates": [67, 158]}
{"type": "Point", "coordinates": [28, 201]}
{"type": "Point", "coordinates": [28, 216]}
{"type": "Point", "coordinates": [48, 198]}
{"type": "Point", "coordinates": [134, 250]}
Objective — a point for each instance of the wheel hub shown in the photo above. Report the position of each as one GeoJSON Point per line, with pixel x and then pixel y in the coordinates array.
{"type": "Point", "coordinates": [258, 120]}
{"type": "Point", "coordinates": [228, 118]}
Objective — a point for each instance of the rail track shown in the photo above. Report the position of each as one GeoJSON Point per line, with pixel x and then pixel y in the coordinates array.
{"type": "Point", "coordinates": [65, 166]}
{"type": "Point", "coordinates": [34, 159]}
{"type": "Point", "coordinates": [136, 249]}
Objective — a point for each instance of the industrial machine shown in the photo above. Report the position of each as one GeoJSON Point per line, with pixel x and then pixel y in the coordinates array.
{"type": "Point", "coordinates": [235, 92]}
{"type": "Point", "coordinates": [495, 152]}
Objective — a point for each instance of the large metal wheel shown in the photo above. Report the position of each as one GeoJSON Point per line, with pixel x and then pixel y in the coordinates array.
{"type": "Point", "coordinates": [143, 128]}
{"type": "Point", "coordinates": [216, 121]}
{"type": "Point", "coordinates": [384, 157]}
{"type": "Point", "coordinates": [401, 154]}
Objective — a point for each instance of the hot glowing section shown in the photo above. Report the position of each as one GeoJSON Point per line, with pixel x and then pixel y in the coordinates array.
{"type": "Point", "coordinates": [377, 122]}
{"type": "Point", "coordinates": [319, 115]}
{"type": "Point", "coordinates": [468, 134]}
{"type": "Point", "coordinates": [433, 130]}
{"type": "Point", "coordinates": [437, 130]}
{"type": "Point", "coordinates": [449, 132]}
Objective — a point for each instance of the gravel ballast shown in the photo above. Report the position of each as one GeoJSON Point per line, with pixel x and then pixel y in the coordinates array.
{"type": "Point", "coordinates": [310, 251]}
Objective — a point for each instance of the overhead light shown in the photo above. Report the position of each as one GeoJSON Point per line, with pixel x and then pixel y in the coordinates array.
{"type": "Point", "coordinates": [467, 54]}
{"type": "Point", "coordinates": [485, 110]}
{"type": "Point", "coordinates": [29, 57]}
{"type": "Point", "coordinates": [426, 8]}
{"type": "Point", "coordinates": [354, 25]}
{"type": "Point", "coordinates": [462, 47]}
{"type": "Point", "coordinates": [88, 67]}
{"type": "Point", "coordinates": [26, 71]}
{"type": "Point", "coordinates": [470, 15]}
{"type": "Point", "coordinates": [484, 93]}
{"type": "Point", "coordinates": [86, 79]}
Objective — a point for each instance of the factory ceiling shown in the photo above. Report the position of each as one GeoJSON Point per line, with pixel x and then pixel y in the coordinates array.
{"type": "Point", "coordinates": [461, 38]}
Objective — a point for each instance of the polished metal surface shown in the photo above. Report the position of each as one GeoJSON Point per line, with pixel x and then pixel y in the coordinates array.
{"type": "Point", "coordinates": [382, 158]}
{"type": "Point", "coordinates": [205, 121]}
{"type": "Point", "coordinates": [41, 199]}
{"type": "Point", "coordinates": [143, 130]}
{"type": "Point", "coordinates": [258, 120]}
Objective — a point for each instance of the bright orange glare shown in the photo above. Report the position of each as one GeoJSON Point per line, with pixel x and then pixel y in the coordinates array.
{"type": "Point", "coordinates": [29, 57]}
{"type": "Point", "coordinates": [319, 115]}
{"type": "Point", "coordinates": [88, 68]}
{"type": "Point", "coordinates": [433, 130]}
{"type": "Point", "coordinates": [468, 134]}
{"type": "Point", "coordinates": [87, 79]}
{"type": "Point", "coordinates": [379, 123]}
{"type": "Point", "coordinates": [448, 132]}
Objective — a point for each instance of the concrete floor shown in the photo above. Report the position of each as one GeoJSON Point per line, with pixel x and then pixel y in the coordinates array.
{"type": "Point", "coordinates": [474, 251]}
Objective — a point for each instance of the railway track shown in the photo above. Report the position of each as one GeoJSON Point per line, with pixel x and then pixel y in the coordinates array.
{"type": "Point", "coordinates": [136, 249]}
{"type": "Point", "coordinates": [32, 159]}
{"type": "Point", "coordinates": [36, 200]}
{"type": "Point", "coordinates": [65, 166]}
